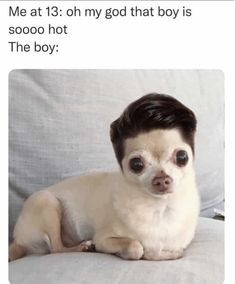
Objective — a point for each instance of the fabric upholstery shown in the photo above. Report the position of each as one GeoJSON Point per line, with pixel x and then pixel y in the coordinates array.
{"type": "Point", "coordinates": [202, 264]}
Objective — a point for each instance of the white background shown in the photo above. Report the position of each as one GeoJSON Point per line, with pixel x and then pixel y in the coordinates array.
{"type": "Point", "coordinates": [203, 41]}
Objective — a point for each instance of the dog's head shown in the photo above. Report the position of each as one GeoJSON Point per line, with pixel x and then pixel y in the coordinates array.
{"type": "Point", "coordinates": [153, 141]}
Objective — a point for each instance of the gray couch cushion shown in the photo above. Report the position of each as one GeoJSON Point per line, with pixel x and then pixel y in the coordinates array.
{"type": "Point", "coordinates": [202, 264]}
{"type": "Point", "coordinates": [59, 124]}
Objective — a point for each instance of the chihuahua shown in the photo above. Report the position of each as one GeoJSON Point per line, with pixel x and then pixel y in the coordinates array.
{"type": "Point", "coordinates": [147, 210]}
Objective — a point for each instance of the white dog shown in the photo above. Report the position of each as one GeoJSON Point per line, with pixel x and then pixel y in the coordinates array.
{"type": "Point", "coordinates": [148, 210]}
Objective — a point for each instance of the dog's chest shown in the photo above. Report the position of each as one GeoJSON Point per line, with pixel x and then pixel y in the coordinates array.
{"type": "Point", "coordinates": [147, 222]}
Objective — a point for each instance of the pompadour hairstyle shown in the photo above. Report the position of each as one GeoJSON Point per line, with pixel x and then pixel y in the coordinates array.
{"type": "Point", "coordinates": [150, 112]}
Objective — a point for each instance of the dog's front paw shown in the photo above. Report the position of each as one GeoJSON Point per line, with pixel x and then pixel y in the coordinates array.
{"type": "Point", "coordinates": [156, 254]}
{"type": "Point", "coordinates": [132, 251]}
{"type": "Point", "coordinates": [87, 246]}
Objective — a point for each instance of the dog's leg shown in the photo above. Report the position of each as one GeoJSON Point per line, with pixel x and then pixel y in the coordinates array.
{"type": "Point", "coordinates": [54, 240]}
{"type": "Point", "coordinates": [124, 247]}
{"type": "Point", "coordinates": [16, 251]}
{"type": "Point", "coordinates": [157, 254]}
{"type": "Point", "coordinates": [38, 229]}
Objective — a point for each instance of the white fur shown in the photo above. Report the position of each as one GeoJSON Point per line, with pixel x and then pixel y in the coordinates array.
{"type": "Point", "coordinates": [122, 205]}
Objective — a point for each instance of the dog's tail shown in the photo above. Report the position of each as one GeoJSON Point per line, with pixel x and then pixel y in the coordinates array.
{"type": "Point", "coordinates": [16, 251]}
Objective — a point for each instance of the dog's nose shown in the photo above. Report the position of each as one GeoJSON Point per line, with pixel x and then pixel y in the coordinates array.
{"type": "Point", "coordinates": [162, 183]}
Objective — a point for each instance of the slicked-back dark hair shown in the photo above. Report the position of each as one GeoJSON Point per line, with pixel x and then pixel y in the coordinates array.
{"type": "Point", "coordinates": [150, 112]}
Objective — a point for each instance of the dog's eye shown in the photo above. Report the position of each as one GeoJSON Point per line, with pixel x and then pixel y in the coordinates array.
{"type": "Point", "coordinates": [136, 165]}
{"type": "Point", "coordinates": [181, 158]}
